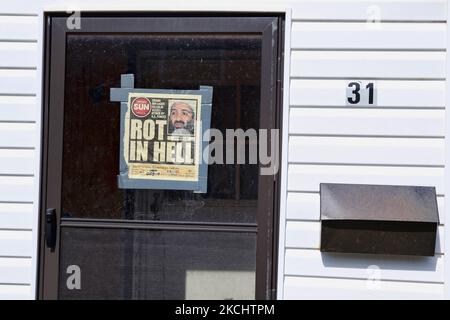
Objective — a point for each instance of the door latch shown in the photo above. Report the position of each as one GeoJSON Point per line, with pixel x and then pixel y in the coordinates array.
{"type": "Point", "coordinates": [50, 228]}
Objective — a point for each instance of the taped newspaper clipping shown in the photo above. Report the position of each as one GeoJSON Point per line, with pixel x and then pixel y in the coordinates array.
{"type": "Point", "coordinates": [162, 136]}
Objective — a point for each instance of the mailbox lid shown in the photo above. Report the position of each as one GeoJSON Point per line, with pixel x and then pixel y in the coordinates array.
{"type": "Point", "coordinates": [378, 203]}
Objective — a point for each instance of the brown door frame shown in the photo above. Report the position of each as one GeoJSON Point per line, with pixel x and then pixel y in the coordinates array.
{"type": "Point", "coordinates": [270, 27]}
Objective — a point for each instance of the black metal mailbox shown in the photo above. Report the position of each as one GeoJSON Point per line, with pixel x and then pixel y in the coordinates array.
{"type": "Point", "coordinates": [377, 219]}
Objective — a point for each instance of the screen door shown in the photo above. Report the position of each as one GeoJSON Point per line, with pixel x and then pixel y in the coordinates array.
{"type": "Point", "coordinates": [102, 242]}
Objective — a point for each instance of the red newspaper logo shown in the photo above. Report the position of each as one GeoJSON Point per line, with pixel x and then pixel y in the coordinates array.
{"type": "Point", "coordinates": [141, 107]}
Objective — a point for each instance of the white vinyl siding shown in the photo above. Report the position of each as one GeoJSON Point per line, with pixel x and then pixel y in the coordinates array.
{"type": "Point", "coordinates": [18, 81]}
{"type": "Point", "coordinates": [361, 10]}
{"type": "Point", "coordinates": [23, 54]}
{"type": "Point", "coordinates": [19, 27]}
{"type": "Point", "coordinates": [301, 287]}
{"type": "Point", "coordinates": [362, 35]}
{"type": "Point", "coordinates": [19, 139]}
{"type": "Point", "coordinates": [303, 262]}
{"type": "Point", "coordinates": [390, 93]}
{"type": "Point", "coordinates": [373, 65]}
{"type": "Point", "coordinates": [401, 141]}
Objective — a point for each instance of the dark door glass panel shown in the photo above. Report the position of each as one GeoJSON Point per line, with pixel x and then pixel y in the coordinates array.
{"type": "Point", "coordinates": [147, 264]}
{"type": "Point", "coordinates": [94, 63]}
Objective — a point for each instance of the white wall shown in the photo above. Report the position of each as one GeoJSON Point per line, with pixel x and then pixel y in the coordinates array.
{"type": "Point", "coordinates": [399, 142]}
{"type": "Point", "coordinates": [19, 150]}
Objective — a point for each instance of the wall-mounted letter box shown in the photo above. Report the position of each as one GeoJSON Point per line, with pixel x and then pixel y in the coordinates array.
{"type": "Point", "coordinates": [377, 219]}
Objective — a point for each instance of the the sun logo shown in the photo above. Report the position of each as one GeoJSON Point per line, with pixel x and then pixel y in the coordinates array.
{"type": "Point", "coordinates": [141, 107]}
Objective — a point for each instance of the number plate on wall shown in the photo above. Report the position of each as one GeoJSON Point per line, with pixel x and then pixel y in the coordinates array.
{"type": "Point", "coordinates": [361, 94]}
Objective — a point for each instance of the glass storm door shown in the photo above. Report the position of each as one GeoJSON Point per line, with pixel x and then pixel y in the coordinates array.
{"type": "Point", "coordinates": [102, 242]}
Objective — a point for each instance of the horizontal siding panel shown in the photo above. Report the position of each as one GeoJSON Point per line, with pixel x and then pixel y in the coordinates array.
{"type": "Point", "coordinates": [398, 10]}
{"type": "Point", "coordinates": [17, 135]}
{"type": "Point", "coordinates": [15, 243]}
{"type": "Point", "coordinates": [16, 216]}
{"type": "Point", "coordinates": [20, 7]}
{"type": "Point", "coordinates": [306, 206]}
{"type": "Point", "coordinates": [390, 93]}
{"type": "Point", "coordinates": [18, 54]}
{"type": "Point", "coordinates": [18, 27]}
{"type": "Point", "coordinates": [377, 64]}
{"type": "Point", "coordinates": [423, 10]}
{"type": "Point", "coordinates": [338, 35]}
{"type": "Point", "coordinates": [303, 206]}
{"type": "Point", "coordinates": [15, 270]}
{"type": "Point", "coordinates": [15, 161]}
{"type": "Point", "coordinates": [18, 81]}
{"type": "Point", "coordinates": [306, 235]}
{"type": "Point", "coordinates": [18, 108]}
{"type": "Point", "coordinates": [15, 292]}
{"type": "Point", "coordinates": [329, 288]}
{"type": "Point", "coordinates": [385, 151]}
{"type": "Point", "coordinates": [308, 177]}
{"type": "Point", "coordinates": [16, 189]}
{"type": "Point", "coordinates": [314, 263]}
{"type": "Point", "coordinates": [303, 234]}
{"type": "Point", "coordinates": [370, 122]}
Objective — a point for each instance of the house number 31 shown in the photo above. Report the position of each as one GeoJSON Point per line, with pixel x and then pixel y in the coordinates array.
{"type": "Point", "coordinates": [361, 93]}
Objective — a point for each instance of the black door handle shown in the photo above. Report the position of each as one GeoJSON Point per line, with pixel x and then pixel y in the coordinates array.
{"type": "Point", "coordinates": [50, 228]}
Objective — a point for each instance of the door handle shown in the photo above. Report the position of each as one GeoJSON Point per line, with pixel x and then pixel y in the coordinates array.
{"type": "Point", "coordinates": [50, 228]}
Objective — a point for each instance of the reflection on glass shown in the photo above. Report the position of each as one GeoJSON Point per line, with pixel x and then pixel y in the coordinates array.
{"type": "Point", "coordinates": [94, 63]}
{"type": "Point", "coordinates": [142, 264]}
